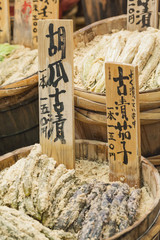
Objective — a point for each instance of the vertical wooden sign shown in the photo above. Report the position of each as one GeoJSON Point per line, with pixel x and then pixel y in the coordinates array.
{"type": "Point", "coordinates": [42, 9]}
{"type": "Point", "coordinates": [27, 14]}
{"type": "Point", "coordinates": [123, 124]}
{"type": "Point", "coordinates": [56, 95]}
{"type": "Point", "coordinates": [22, 22]}
{"type": "Point", "coordinates": [4, 21]}
{"type": "Point", "coordinates": [142, 14]}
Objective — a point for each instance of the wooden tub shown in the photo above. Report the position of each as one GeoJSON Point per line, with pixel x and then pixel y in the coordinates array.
{"type": "Point", "coordinates": [19, 118]}
{"type": "Point", "coordinates": [91, 107]}
{"type": "Point", "coordinates": [145, 228]}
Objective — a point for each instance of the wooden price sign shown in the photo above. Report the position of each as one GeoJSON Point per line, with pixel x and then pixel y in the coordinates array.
{"type": "Point", "coordinates": [27, 14]}
{"type": "Point", "coordinates": [142, 14]}
{"type": "Point", "coordinates": [123, 125]}
{"type": "Point", "coordinates": [42, 9]}
{"type": "Point", "coordinates": [4, 21]}
{"type": "Point", "coordinates": [56, 95]}
{"type": "Point", "coordinates": [23, 22]}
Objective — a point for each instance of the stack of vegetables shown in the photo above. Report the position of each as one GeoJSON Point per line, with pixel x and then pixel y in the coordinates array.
{"type": "Point", "coordinates": [16, 62]}
{"type": "Point", "coordinates": [137, 48]}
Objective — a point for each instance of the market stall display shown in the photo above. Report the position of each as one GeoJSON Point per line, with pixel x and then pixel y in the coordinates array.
{"type": "Point", "coordinates": [91, 106]}
{"type": "Point", "coordinates": [67, 189]}
{"type": "Point", "coordinates": [122, 46]}
{"type": "Point", "coordinates": [78, 190]}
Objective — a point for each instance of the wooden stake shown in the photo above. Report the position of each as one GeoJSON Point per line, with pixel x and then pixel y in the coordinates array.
{"type": "Point", "coordinates": [123, 123]}
{"type": "Point", "coordinates": [56, 102]}
{"type": "Point", "coordinates": [42, 10]}
{"type": "Point", "coordinates": [4, 21]}
{"type": "Point", "coordinates": [142, 14]}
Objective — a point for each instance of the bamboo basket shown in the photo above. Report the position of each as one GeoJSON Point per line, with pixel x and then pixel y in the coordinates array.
{"type": "Point", "coordinates": [145, 228]}
{"type": "Point", "coordinates": [91, 107]}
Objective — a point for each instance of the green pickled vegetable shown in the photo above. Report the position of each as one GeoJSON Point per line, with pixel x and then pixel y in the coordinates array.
{"type": "Point", "coordinates": [6, 49]}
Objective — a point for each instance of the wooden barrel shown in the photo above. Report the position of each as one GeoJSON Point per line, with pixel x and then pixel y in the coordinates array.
{"type": "Point", "coordinates": [91, 107]}
{"type": "Point", "coordinates": [19, 114]}
{"type": "Point", "coordinates": [19, 119]}
{"type": "Point", "coordinates": [95, 10]}
{"type": "Point", "coordinates": [148, 226]}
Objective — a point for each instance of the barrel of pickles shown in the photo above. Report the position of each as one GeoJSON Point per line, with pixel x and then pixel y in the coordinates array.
{"type": "Point", "coordinates": [41, 200]}
{"type": "Point", "coordinates": [18, 97]}
{"type": "Point", "coordinates": [108, 40]}
{"type": "Point", "coordinates": [18, 118]}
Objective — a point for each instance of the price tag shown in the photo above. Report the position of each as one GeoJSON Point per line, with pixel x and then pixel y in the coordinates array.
{"type": "Point", "coordinates": [4, 21]}
{"type": "Point", "coordinates": [142, 14]}
{"type": "Point", "coordinates": [23, 22]}
{"type": "Point", "coordinates": [27, 14]}
{"type": "Point", "coordinates": [42, 9]}
{"type": "Point", "coordinates": [56, 94]}
{"type": "Point", "coordinates": [123, 125]}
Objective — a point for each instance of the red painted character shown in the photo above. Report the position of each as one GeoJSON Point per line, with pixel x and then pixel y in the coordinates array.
{"type": "Point", "coordinates": [26, 10]}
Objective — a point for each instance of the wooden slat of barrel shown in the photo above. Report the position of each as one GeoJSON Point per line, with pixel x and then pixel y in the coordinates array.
{"type": "Point", "coordinates": [19, 114]}
{"type": "Point", "coordinates": [99, 118]}
{"type": "Point", "coordinates": [19, 120]}
{"type": "Point", "coordinates": [148, 100]}
{"type": "Point", "coordinates": [150, 136]}
{"type": "Point", "coordinates": [154, 233]}
{"type": "Point", "coordinates": [150, 139]}
{"type": "Point", "coordinates": [94, 151]}
{"type": "Point", "coordinates": [92, 125]}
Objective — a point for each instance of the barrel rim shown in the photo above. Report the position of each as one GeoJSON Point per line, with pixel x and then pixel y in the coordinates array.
{"type": "Point", "coordinates": [19, 86]}
{"type": "Point", "coordinates": [20, 99]}
{"type": "Point", "coordinates": [104, 94]}
{"type": "Point", "coordinates": [95, 24]}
